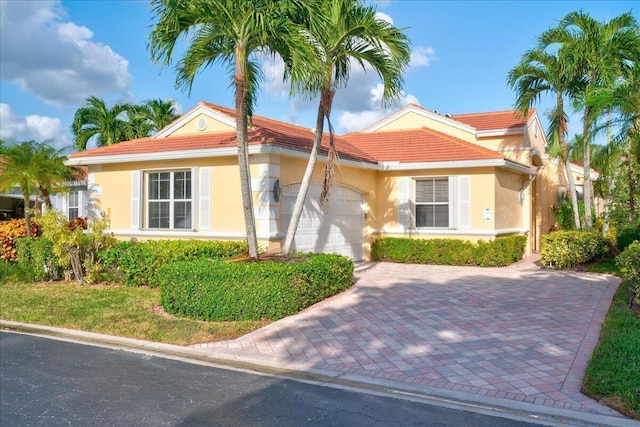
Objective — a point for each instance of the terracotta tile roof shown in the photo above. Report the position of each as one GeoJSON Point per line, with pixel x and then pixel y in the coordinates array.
{"type": "Point", "coordinates": [508, 119]}
{"type": "Point", "coordinates": [418, 145]}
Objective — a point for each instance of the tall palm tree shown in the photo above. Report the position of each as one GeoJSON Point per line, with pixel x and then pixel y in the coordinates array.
{"type": "Point", "coordinates": [229, 32]}
{"type": "Point", "coordinates": [106, 125]}
{"type": "Point", "coordinates": [540, 72]}
{"type": "Point", "coordinates": [598, 53]}
{"type": "Point", "coordinates": [347, 33]}
{"type": "Point", "coordinates": [34, 167]}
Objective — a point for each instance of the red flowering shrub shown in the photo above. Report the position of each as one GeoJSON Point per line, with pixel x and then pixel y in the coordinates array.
{"type": "Point", "coordinates": [9, 232]}
{"type": "Point", "coordinates": [77, 223]}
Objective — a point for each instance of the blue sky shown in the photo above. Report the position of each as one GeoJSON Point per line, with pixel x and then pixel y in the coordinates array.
{"type": "Point", "coordinates": [54, 54]}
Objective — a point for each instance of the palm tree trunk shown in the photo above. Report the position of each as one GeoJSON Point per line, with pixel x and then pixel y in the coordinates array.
{"type": "Point", "coordinates": [27, 214]}
{"type": "Point", "coordinates": [564, 154]}
{"type": "Point", "coordinates": [243, 150]}
{"type": "Point", "coordinates": [587, 169]}
{"type": "Point", "coordinates": [46, 196]}
{"type": "Point", "coordinates": [573, 194]}
{"type": "Point", "coordinates": [306, 182]}
{"type": "Point", "coordinates": [632, 190]}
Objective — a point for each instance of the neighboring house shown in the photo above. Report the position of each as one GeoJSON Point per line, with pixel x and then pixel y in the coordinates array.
{"type": "Point", "coordinates": [415, 173]}
{"type": "Point", "coordinates": [76, 201]}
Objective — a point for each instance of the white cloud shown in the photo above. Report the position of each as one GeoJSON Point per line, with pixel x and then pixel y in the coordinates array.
{"type": "Point", "coordinates": [54, 59]}
{"type": "Point", "coordinates": [38, 128]}
{"type": "Point", "coordinates": [422, 57]}
{"type": "Point", "coordinates": [384, 17]}
{"type": "Point", "coordinates": [273, 72]}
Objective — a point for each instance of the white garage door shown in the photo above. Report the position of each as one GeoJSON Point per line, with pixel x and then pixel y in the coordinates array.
{"type": "Point", "coordinates": [337, 229]}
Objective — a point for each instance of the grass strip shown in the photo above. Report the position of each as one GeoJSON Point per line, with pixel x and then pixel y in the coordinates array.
{"type": "Point", "coordinates": [132, 312]}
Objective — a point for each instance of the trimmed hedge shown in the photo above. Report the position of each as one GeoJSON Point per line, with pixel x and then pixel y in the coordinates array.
{"type": "Point", "coordinates": [219, 291]}
{"type": "Point", "coordinates": [495, 253]}
{"type": "Point", "coordinates": [566, 249]}
{"type": "Point", "coordinates": [139, 262]}
{"type": "Point", "coordinates": [629, 263]}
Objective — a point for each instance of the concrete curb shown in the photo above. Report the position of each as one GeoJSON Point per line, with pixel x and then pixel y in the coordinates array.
{"type": "Point", "coordinates": [521, 411]}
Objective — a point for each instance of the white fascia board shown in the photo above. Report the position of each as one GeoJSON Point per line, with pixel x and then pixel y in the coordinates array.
{"type": "Point", "coordinates": [461, 164]}
{"type": "Point", "coordinates": [580, 170]}
{"type": "Point", "coordinates": [190, 115]}
{"type": "Point", "coordinates": [424, 113]}
{"type": "Point", "coordinates": [208, 152]}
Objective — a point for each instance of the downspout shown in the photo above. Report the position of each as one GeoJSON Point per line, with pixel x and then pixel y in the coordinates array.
{"type": "Point", "coordinates": [526, 226]}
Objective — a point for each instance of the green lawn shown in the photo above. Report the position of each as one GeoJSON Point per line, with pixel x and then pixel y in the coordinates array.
{"type": "Point", "coordinates": [613, 373]}
{"type": "Point", "coordinates": [132, 312]}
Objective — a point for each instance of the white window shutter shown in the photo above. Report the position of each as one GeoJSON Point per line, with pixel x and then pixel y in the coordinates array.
{"type": "Point", "coordinates": [464, 202]}
{"type": "Point", "coordinates": [136, 200]}
{"type": "Point", "coordinates": [404, 203]}
{"type": "Point", "coordinates": [204, 198]}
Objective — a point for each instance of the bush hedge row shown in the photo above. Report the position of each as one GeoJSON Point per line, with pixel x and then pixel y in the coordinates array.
{"type": "Point", "coordinates": [219, 291]}
{"type": "Point", "coordinates": [498, 252]}
{"type": "Point", "coordinates": [565, 249]}
{"type": "Point", "coordinates": [139, 262]}
{"type": "Point", "coordinates": [627, 235]}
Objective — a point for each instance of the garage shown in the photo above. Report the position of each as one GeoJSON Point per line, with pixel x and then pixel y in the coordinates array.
{"type": "Point", "coordinates": [338, 229]}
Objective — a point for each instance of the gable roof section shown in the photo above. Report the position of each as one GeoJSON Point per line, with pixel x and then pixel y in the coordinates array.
{"type": "Point", "coordinates": [511, 121]}
{"type": "Point", "coordinates": [418, 145]}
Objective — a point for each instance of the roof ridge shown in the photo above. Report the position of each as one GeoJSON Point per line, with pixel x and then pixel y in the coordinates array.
{"type": "Point", "coordinates": [531, 110]}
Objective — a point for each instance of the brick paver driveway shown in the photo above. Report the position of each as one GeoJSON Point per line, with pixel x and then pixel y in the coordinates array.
{"type": "Point", "coordinates": [520, 332]}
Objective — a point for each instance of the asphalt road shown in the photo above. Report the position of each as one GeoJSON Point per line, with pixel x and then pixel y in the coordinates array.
{"type": "Point", "coordinates": [46, 382]}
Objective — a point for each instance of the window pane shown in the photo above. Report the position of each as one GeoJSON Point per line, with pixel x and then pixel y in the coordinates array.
{"type": "Point", "coordinates": [424, 191]}
{"type": "Point", "coordinates": [165, 186]}
{"type": "Point", "coordinates": [182, 185]}
{"type": "Point", "coordinates": [73, 199]}
{"type": "Point", "coordinates": [441, 190]}
{"type": "Point", "coordinates": [73, 213]}
{"type": "Point", "coordinates": [182, 215]}
{"type": "Point", "coordinates": [158, 214]}
{"type": "Point", "coordinates": [441, 216]}
{"type": "Point", "coordinates": [422, 216]}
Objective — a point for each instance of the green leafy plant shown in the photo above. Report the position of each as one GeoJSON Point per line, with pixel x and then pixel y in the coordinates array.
{"type": "Point", "coordinates": [218, 290]}
{"type": "Point", "coordinates": [10, 232]}
{"type": "Point", "coordinates": [138, 262]}
{"type": "Point", "coordinates": [36, 254]}
{"type": "Point", "coordinates": [74, 247]}
{"type": "Point", "coordinates": [627, 235]}
{"type": "Point", "coordinates": [629, 263]}
{"type": "Point", "coordinates": [566, 249]}
{"type": "Point", "coordinates": [499, 252]}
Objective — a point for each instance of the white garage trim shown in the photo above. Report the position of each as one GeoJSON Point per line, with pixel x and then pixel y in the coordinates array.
{"type": "Point", "coordinates": [338, 228]}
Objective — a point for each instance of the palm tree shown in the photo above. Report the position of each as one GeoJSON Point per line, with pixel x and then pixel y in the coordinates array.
{"type": "Point", "coordinates": [158, 112]}
{"type": "Point", "coordinates": [598, 53]}
{"type": "Point", "coordinates": [540, 72]}
{"type": "Point", "coordinates": [106, 125]}
{"type": "Point", "coordinates": [230, 32]}
{"type": "Point", "coordinates": [34, 167]}
{"type": "Point", "coordinates": [623, 98]}
{"type": "Point", "coordinates": [348, 33]}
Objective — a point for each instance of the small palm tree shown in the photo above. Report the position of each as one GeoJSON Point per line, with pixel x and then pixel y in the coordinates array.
{"type": "Point", "coordinates": [230, 32]}
{"type": "Point", "coordinates": [540, 72]}
{"type": "Point", "coordinates": [345, 33]}
{"type": "Point", "coordinates": [597, 53]}
{"type": "Point", "coordinates": [106, 125]}
{"type": "Point", "coordinates": [35, 168]}
{"type": "Point", "coordinates": [158, 112]}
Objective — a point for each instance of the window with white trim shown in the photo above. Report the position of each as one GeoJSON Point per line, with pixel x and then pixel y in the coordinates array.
{"type": "Point", "coordinates": [169, 200]}
{"type": "Point", "coordinates": [73, 205]}
{"type": "Point", "coordinates": [432, 203]}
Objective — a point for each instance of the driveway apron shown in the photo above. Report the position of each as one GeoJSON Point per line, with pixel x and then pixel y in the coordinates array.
{"type": "Point", "coordinates": [520, 332]}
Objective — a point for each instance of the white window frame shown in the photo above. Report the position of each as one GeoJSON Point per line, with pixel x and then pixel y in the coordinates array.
{"type": "Point", "coordinates": [450, 203]}
{"type": "Point", "coordinates": [171, 200]}
{"type": "Point", "coordinates": [76, 206]}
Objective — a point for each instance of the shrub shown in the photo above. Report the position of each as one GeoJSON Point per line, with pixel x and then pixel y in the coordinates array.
{"type": "Point", "coordinates": [10, 231]}
{"type": "Point", "coordinates": [565, 249]}
{"type": "Point", "coordinates": [74, 246]}
{"type": "Point", "coordinates": [629, 262]}
{"type": "Point", "coordinates": [36, 253]}
{"type": "Point", "coordinates": [628, 235]}
{"type": "Point", "coordinates": [219, 291]}
{"type": "Point", "coordinates": [499, 252]}
{"type": "Point", "coordinates": [139, 262]}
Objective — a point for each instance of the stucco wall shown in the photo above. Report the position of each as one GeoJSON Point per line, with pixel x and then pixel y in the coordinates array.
{"type": "Point", "coordinates": [190, 127]}
{"type": "Point", "coordinates": [413, 120]}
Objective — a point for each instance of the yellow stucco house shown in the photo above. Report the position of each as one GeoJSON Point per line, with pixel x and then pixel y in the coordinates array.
{"type": "Point", "coordinates": [416, 173]}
